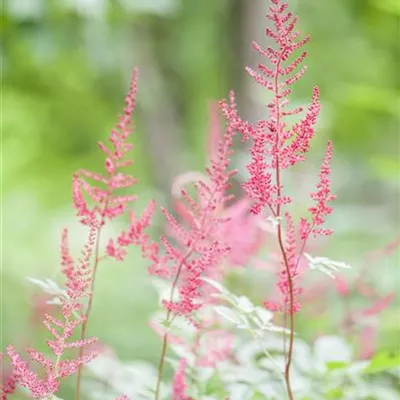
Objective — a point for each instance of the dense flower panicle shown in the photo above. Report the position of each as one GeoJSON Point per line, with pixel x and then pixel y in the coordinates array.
{"type": "Point", "coordinates": [79, 274]}
{"type": "Point", "coordinates": [39, 387]}
{"type": "Point", "coordinates": [106, 203]}
{"type": "Point", "coordinates": [179, 382]}
{"type": "Point", "coordinates": [238, 219]}
{"type": "Point", "coordinates": [44, 385]}
{"type": "Point", "coordinates": [194, 248]}
{"type": "Point", "coordinates": [276, 145]}
{"type": "Point", "coordinates": [322, 197]}
{"type": "Point", "coordinates": [237, 215]}
{"type": "Point", "coordinates": [55, 369]}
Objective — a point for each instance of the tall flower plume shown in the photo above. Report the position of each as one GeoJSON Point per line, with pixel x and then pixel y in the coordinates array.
{"type": "Point", "coordinates": [277, 145]}
{"type": "Point", "coordinates": [97, 199]}
{"type": "Point", "coordinates": [197, 250]}
{"type": "Point", "coordinates": [194, 252]}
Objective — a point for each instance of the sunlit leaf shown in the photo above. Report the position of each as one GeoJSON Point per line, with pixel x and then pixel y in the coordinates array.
{"type": "Point", "coordinates": [382, 362]}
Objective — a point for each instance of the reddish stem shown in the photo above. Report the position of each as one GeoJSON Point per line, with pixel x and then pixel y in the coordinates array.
{"type": "Point", "coordinates": [169, 321]}
{"type": "Point", "coordinates": [280, 240]}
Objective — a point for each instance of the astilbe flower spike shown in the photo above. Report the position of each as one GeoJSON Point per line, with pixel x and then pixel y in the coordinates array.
{"type": "Point", "coordinates": [276, 146]}
{"type": "Point", "coordinates": [97, 200]}
{"type": "Point", "coordinates": [198, 249]}
{"type": "Point", "coordinates": [55, 368]}
{"type": "Point", "coordinates": [185, 263]}
{"type": "Point", "coordinates": [242, 249]}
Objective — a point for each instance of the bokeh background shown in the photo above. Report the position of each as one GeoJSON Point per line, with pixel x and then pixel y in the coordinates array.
{"type": "Point", "coordinates": [66, 65]}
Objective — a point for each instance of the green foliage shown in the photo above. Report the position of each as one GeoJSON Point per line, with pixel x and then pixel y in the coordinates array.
{"type": "Point", "coordinates": [381, 362]}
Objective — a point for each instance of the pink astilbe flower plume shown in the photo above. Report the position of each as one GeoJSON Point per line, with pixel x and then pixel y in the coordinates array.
{"type": "Point", "coordinates": [62, 329]}
{"type": "Point", "coordinates": [239, 219]}
{"type": "Point", "coordinates": [322, 198]}
{"type": "Point", "coordinates": [277, 145]}
{"type": "Point", "coordinates": [107, 203]}
{"type": "Point", "coordinates": [198, 247]}
{"type": "Point", "coordinates": [97, 199]}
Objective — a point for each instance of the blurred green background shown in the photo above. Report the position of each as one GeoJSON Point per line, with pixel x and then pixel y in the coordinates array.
{"type": "Point", "coordinates": [65, 69]}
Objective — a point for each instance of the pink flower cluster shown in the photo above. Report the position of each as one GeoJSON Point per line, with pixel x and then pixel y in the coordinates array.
{"type": "Point", "coordinates": [203, 233]}
{"type": "Point", "coordinates": [276, 145]}
{"type": "Point", "coordinates": [62, 329]}
{"type": "Point", "coordinates": [95, 204]}
{"type": "Point", "coordinates": [198, 248]}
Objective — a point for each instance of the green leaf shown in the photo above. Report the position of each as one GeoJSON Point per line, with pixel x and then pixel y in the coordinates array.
{"type": "Point", "coordinates": [332, 365]}
{"type": "Point", "coordinates": [214, 386]}
{"type": "Point", "coordinates": [258, 396]}
{"type": "Point", "coordinates": [382, 362]}
{"type": "Point", "coordinates": [334, 394]}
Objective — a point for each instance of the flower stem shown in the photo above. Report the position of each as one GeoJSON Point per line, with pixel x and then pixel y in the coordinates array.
{"type": "Point", "coordinates": [291, 317]}
{"type": "Point", "coordinates": [169, 319]}
{"type": "Point", "coordinates": [279, 229]}
{"type": "Point", "coordinates": [161, 365]}
{"type": "Point", "coordinates": [89, 307]}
